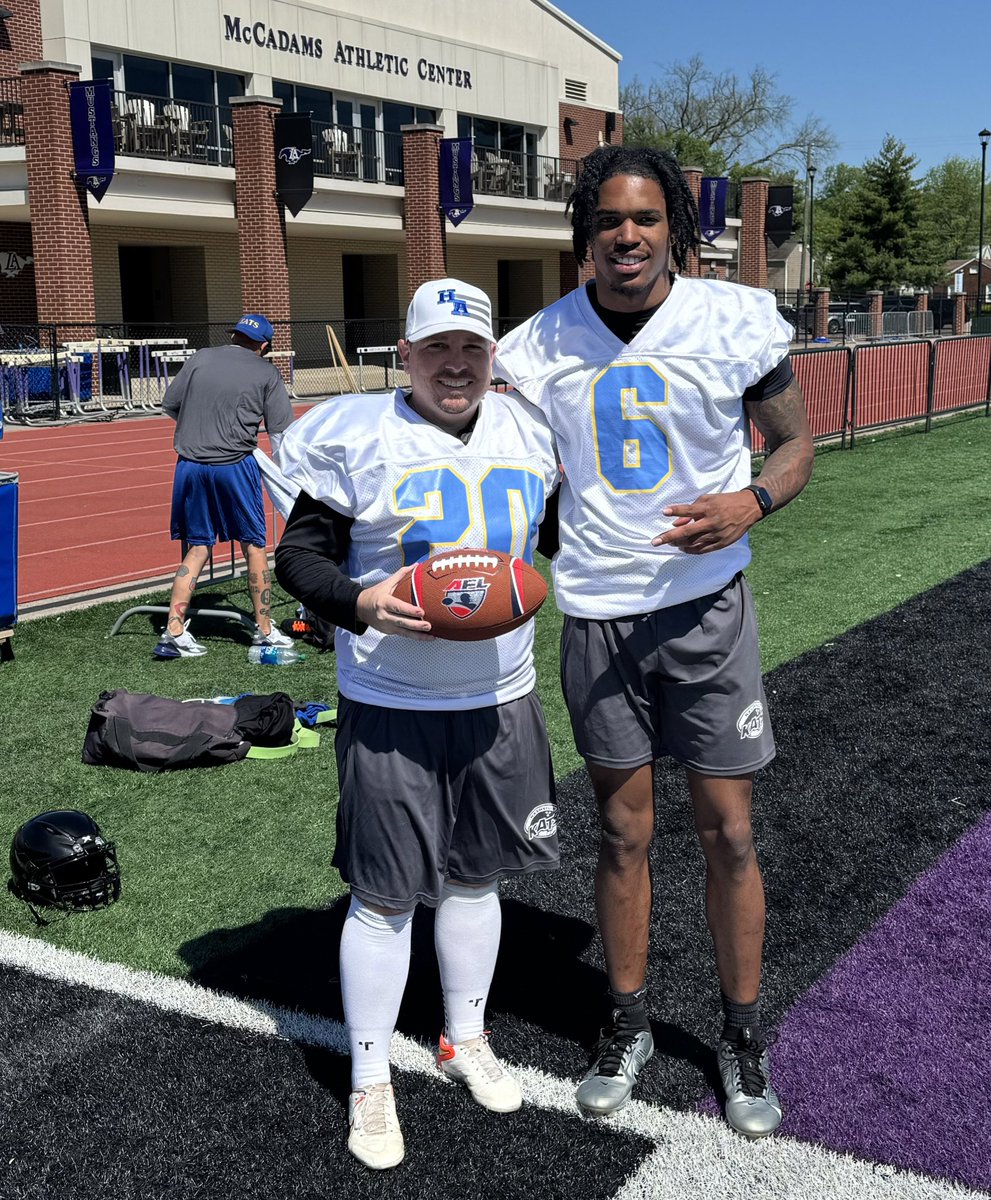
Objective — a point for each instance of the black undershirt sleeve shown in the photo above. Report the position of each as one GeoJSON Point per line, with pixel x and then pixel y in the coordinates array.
{"type": "Point", "coordinates": [773, 383]}
{"type": "Point", "coordinates": [548, 539]}
{"type": "Point", "coordinates": [308, 562]}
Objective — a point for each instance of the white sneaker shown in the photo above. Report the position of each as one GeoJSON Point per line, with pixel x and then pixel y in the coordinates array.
{"type": "Point", "coordinates": [375, 1138]}
{"type": "Point", "coordinates": [182, 646]}
{"type": "Point", "coordinates": [273, 638]}
{"type": "Point", "coordinates": [474, 1064]}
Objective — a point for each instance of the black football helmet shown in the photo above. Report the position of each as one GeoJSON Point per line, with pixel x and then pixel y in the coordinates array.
{"type": "Point", "coordinates": [61, 860]}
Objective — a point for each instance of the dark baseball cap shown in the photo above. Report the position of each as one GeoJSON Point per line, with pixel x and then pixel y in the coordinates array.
{"type": "Point", "coordinates": [256, 327]}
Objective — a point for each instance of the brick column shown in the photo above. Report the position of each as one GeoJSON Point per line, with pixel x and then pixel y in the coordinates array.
{"type": "Point", "coordinates": [753, 241]}
{"type": "Point", "coordinates": [875, 310]}
{"type": "Point", "coordinates": [63, 258]}
{"type": "Point", "coordinates": [822, 313]}
{"type": "Point", "coordinates": [959, 312]}
{"type": "Point", "coordinates": [568, 271]}
{"type": "Point", "coordinates": [693, 177]}
{"type": "Point", "coordinates": [423, 219]}
{"type": "Point", "coordinates": [20, 38]}
{"type": "Point", "coordinates": [261, 218]}
{"type": "Point", "coordinates": [921, 301]}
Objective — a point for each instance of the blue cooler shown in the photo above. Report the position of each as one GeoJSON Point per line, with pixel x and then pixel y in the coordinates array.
{"type": "Point", "coordinates": [8, 550]}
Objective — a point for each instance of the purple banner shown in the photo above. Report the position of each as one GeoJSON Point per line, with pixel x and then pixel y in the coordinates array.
{"type": "Point", "coordinates": [712, 207]}
{"type": "Point", "coordinates": [92, 133]}
{"type": "Point", "coordinates": [456, 197]}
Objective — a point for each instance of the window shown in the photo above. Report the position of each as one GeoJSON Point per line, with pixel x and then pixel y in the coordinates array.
{"type": "Point", "coordinates": [296, 97]}
{"type": "Point", "coordinates": [147, 76]}
{"type": "Point", "coordinates": [158, 77]}
{"type": "Point", "coordinates": [501, 136]}
{"type": "Point", "coordinates": [192, 83]}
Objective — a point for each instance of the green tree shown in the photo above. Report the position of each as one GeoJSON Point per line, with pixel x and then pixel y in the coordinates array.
{"type": "Point", "coordinates": [834, 199]}
{"type": "Point", "coordinates": [718, 121]}
{"type": "Point", "coordinates": [950, 203]}
{"type": "Point", "coordinates": [877, 243]}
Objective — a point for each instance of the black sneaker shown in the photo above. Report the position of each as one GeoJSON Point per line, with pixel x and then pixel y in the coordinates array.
{"type": "Point", "coordinates": [752, 1105]}
{"type": "Point", "coordinates": [620, 1056]}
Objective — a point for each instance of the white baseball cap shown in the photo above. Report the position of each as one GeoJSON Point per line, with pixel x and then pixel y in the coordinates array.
{"type": "Point", "coordinates": [445, 305]}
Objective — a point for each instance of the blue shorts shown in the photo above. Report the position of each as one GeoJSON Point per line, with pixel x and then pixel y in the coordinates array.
{"type": "Point", "coordinates": [218, 502]}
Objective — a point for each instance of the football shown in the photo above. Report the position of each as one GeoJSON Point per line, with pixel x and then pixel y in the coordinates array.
{"type": "Point", "coordinates": [470, 595]}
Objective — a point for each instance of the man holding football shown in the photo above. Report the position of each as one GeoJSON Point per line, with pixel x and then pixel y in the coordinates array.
{"type": "Point", "coordinates": [648, 379]}
{"type": "Point", "coordinates": [443, 761]}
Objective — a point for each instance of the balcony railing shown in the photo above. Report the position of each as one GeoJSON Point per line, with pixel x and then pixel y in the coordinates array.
{"type": "Point", "coordinates": [11, 113]}
{"type": "Point", "coordinates": [526, 176]}
{"type": "Point", "coordinates": [164, 128]}
{"type": "Point", "coordinates": [347, 152]}
{"type": "Point", "coordinates": [371, 156]}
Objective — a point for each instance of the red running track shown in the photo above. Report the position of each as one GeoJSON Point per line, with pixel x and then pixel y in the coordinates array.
{"type": "Point", "coordinates": [94, 502]}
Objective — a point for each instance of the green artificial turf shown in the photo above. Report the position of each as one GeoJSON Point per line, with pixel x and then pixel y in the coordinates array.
{"type": "Point", "coordinates": [207, 854]}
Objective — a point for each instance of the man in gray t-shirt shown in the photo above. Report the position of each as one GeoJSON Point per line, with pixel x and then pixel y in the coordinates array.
{"type": "Point", "coordinates": [218, 402]}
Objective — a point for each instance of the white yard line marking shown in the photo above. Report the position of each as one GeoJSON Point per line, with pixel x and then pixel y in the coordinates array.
{"type": "Point", "coordinates": [695, 1157]}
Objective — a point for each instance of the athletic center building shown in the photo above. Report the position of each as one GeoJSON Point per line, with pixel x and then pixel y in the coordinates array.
{"type": "Point", "coordinates": [190, 230]}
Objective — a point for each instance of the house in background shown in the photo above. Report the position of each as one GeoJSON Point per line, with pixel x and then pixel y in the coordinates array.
{"type": "Point", "coordinates": [960, 275]}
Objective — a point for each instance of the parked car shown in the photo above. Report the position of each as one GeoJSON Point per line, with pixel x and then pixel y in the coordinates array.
{"type": "Point", "coordinates": [802, 320]}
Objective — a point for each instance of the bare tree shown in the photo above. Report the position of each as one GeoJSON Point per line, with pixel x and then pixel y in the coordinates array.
{"type": "Point", "coordinates": [742, 122]}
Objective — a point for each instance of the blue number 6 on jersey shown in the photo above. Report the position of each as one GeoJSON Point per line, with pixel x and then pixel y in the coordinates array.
{"type": "Point", "coordinates": [631, 449]}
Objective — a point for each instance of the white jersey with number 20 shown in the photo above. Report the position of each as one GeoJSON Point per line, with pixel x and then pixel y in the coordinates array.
{"type": "Point", "coordinates": [413, 490]}
{"type": "Point", "coordinates": [640, 426]}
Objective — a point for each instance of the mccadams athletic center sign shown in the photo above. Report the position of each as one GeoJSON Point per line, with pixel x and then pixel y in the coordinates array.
{"type": "Point", "coordinates": [259, 34]}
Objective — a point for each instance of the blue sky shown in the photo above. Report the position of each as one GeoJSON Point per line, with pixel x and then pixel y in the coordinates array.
{"type": "Point", "coordinates": [916, 70]}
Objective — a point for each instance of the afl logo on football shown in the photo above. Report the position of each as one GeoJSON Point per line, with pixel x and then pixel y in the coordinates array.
{"type": "Point", "coordinates": [541, 823]}
{"type": "Point", "coordinates": [462, 597]}
{"type": "Point", "coordinates": [751, 721]}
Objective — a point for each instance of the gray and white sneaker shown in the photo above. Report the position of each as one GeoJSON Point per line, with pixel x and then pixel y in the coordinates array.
{"type": "Point", "coordinates": [183, 645]}
{"type": "Point", "coordinates": [274, 637]}
{"type": "Point", "coordinates": [752, 1105]}
{"type": "Point", "coordinates": [620, 1056]}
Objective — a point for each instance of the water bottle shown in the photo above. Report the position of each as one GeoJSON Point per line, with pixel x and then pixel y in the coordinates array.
{"type": "Point", "coordinates": [280, 655]}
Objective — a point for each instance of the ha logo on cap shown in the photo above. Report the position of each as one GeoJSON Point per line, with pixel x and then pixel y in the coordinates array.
{"type": "Point", "coordinates": [446, 305]}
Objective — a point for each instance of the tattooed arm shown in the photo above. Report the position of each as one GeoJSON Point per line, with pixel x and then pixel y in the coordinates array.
{"type": "Point", "coordinates": [713, 522]}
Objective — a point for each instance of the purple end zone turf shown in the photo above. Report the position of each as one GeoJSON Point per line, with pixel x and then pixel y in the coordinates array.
{"type": "Point", "coordinates": [887, 1057]}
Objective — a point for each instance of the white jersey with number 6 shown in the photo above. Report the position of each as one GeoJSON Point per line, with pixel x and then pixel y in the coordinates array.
{"type": "Point", "coordinates": [659, 421]}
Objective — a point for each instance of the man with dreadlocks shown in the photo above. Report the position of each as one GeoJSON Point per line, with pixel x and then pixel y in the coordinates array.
{"type": "Point", "coordinates": [648, 379]}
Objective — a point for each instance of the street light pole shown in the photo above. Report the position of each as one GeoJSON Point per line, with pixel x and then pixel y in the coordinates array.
{"type": "Point", "coordinates": [984, 135]}
{"type": "Point", "coordinates": [812, 225]}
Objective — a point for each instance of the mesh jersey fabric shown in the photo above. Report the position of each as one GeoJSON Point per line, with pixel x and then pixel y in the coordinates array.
{"type": "Point", "coordinates": [414, 490]}
{"type": "Point", "coordinates": [659, 421]}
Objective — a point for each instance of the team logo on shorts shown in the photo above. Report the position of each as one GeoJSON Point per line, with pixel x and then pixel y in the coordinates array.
{"type": "Point", "coordinates": [541, 823]}
{"type": "Point", "coordinates": [751, 721]}
{"type": "Point", "coordinates": [462, 597]}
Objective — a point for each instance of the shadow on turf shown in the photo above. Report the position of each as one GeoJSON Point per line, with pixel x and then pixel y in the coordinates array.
{"type": "Point", "coordinates": [546, 1002]}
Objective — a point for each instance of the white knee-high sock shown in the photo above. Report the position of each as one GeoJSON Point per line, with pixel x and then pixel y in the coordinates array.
{"type": "Point", "coordinates": [375, 951]}
{"type": "Point", "coordinates": [466, 937]}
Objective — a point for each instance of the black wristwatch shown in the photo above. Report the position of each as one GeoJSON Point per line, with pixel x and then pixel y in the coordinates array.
{"type": "Point", "coordinates": [763, 498]}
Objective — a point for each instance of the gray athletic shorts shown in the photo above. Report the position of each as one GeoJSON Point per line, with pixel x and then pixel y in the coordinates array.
{"type": "Point", "coordinates": [426, 796]}
{"type": "Point", "coordinates": [683, 681]}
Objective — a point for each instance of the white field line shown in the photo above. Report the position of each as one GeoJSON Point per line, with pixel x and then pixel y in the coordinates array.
{"type": "Point", "coordinates": [92, 516]}
{"type": "Point", "coordinates": [160, 485]}
{"type": "Point", "coordinates": [695, 1157]}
